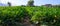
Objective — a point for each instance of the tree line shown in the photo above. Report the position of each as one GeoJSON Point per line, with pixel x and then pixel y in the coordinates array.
{"type": "Point", "coordinates": [30, 3]}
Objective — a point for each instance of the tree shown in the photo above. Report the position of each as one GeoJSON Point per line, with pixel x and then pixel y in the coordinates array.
{"type": "Point", "coordinates": [30, 3]}
{"type": "Point", "coordinates": [9, 3]}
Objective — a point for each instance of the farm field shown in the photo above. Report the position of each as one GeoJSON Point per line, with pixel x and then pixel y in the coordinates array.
{"type": "Point", "coordinates": [11, 16]}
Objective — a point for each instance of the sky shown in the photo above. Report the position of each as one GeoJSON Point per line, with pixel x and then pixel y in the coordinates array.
{"type": "Point", "coordinates": [36, 2]}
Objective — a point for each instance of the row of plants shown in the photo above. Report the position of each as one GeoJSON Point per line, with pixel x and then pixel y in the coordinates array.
{"type": "Point", "coordinates": [41, 14]}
